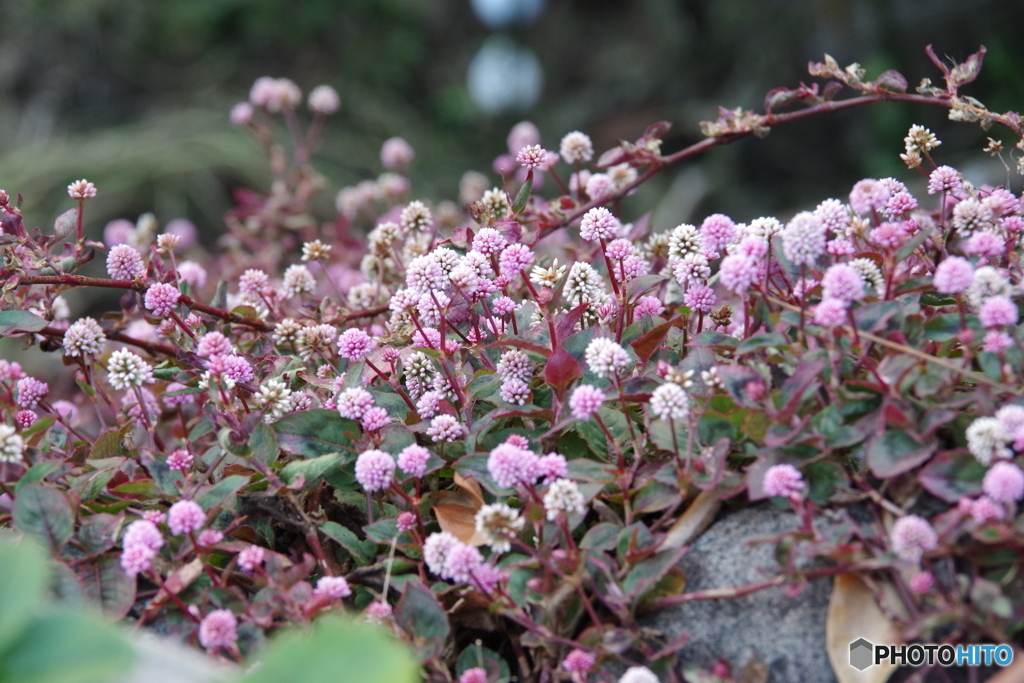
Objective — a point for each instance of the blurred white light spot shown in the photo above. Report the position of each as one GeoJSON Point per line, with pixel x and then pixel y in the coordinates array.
{"type": "Point", "coordinates": [504, 76]}
{"type": "Point", "coordinates": [498, 14]}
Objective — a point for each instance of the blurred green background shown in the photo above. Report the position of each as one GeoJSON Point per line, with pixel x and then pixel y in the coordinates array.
{"type": "Point", "coordinates": [135, 95]}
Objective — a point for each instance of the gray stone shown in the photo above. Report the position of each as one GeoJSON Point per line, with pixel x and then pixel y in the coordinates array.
{"type": "Point", "coordinates": [788, 634]}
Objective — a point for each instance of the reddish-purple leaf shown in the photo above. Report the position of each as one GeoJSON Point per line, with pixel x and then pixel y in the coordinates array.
{"type": "Point", "coordinates": [891, 81]}
{"type": "Point", "coordinates": [646, 345]}
{"type": "Point", "coordinates": [896, 452]}
{"type": "Point", "coordinates": [565, 326]}
{"type": "Point", "coordinates": [510, 230]}
{"type": "Point", "coordinates": [613, 156]}
{"type": "Point", "coordinates": [964, 73]}
{"type": "Point", "coordinates": [657, 130]}
{"type": "Point", "coordinates": [561, 369]}
{"type": "Point", "coordinates": [951, 475]}
{"type": "Point", "coordinates": [793, 389]}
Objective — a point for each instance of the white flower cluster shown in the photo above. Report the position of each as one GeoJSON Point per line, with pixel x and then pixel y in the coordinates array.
{"type": "Point", "coordinates": [126, 370]}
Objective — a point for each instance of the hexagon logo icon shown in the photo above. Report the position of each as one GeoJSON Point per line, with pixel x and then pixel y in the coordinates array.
{"type": "Point", "coordinates": [861, 654]}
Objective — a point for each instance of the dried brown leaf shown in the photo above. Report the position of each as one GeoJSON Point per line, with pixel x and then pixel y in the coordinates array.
{"type": "Point", "coordinates": [853, 613]}
{"type": "Point", "coordinates": [456, 510]}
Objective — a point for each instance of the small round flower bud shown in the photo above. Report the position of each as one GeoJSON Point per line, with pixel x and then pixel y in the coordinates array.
{"type": "Point", "coordinates": [563, 495]}
{"type": "Point", "coordinates": [585, 401]}
{"type": "Point", "coordinates": [413, 460]}
{"type": "Point", "coordinates": [334, 587]}
{"type": "Point", "coordinates": [184, 517]}
{"type": "Point", "coordinates": [167, 241]}
{"type": "Point", "coordinates": [374, 470]}
{"type": "Point", "coordinates": [783, 480]}
{"type": "Point", "coordinates": [81, 189]}
{"type": "Point", "coordinates": [532, 157]}
{"type": "Point", "coordinates": [180, 460]}
{"type": "Point", "coordinates": [162, 298]}
{"type": "Point", "coordinates": [576, 147]}
{"type": "Point", "coordinates": [241, 114]}
{"type": "Point", "coordinates": [913, 536]}
{"type": "Point", "coordinates": [396, 154]}
{"type": "Point", "coordinates": [218, 629]}
{"type": "Point", "coordinates": [1004, 482]}
{"type": "Point", "coordinates": [124, 263]}
{"type": "Point", "coordinates": [598, 224]}
{"type": "Point", "coordinates": [12, 447]}
{"type": "Point", "coordinates": [323, 99]}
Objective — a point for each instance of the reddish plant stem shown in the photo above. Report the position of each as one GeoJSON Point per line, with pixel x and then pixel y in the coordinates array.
{"type": "Point", "coordinates": [228, 316]}
{"type": "Point", "coordinates": [151, 347]}
{"type": "Point", "coordinates": [747, 589]}
{"type": "Point", "coordinates": [767, 121]}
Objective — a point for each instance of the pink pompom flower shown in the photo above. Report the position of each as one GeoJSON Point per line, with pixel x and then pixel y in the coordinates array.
{"type": "Point", "coordinates": [184, 517]}
{"type": "Point", "coordinates": [218, 629]}
{"type": "Point", "coordinates": [783, 480]}
{"type": "Point", "coordinates": [374, 470]}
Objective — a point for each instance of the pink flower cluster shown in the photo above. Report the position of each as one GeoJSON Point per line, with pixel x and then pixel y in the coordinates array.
{"type": "Point", "coordinates": [141, 542]}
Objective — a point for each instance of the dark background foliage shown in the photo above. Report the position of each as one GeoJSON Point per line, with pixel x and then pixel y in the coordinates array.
{"type": "Point", "coordinates": [134, 95]}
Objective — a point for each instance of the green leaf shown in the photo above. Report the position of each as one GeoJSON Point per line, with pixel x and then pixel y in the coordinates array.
{"type": "Point", "coordinates": [106, 583]}
{"type": "Point", "coordinates": [873, 317]}
{"type": "Point", "coordinates": [602, 536]}
{"type": "Point", "coordinates": [896, 452]}
{"type": "Point", "coordinates": [336, 649]}
{"type": "Point", "coordinates": [220, 298]}
{"type": "Point", "coordinates": [647, 573]}
{"type": "Point", "coordinates": [314, 468]}
{"type": "Point", "coordinates": [37, 473]}
{"type": "Point", "coordinates": [107, 446]}
{"type": "Point", "coordinates": [936, 299]}
{"type": "Point", "coordinates": [364, 552]}
{"type": "Point", "coordinates": [595, 437]}
{"type": "Point", "coordinates": [19, 321]}
{"type": "Point", "coordinates": [421, 616]}
{"type": "Point", "coordinates": [943, 328]}
{"type": "Point", "coordinates": [97, 533]}
{"type": "Point", "coordinates": [263, 444]}
{"type": "Point", "coordinates": [44, 513]}
{"type": "Point", "coordinates": [66, 647]}
{"type": "Point", "coordinates": [66, 225]}
{"type": "Point", "coordinates": [166, 371]}
{"type": "Point", "coordinates": [39, 426]}
{"type": "Point", "coordinates": [585, 469]}
{"type": "Point", "coordinates": [381, 531]}
{"type": "Point", "coordinates": [761, 341]}
{"type": "Point", "coordinates": [655, 496]}
{"type": "Point", "coordinates": [311, 433]}
{"type": "Point", "coordinates": [221, 491]}
{"type": "Point", "coordinates": [21, 591]}
{"type": "Point", "coordinates": [396, 438]}
{"type": "Point", "coordinates": [661, 435]}
{"type": "Point", "coordinates": [952, 475]}
{"type": "Point", "coordinates": [524, 195]}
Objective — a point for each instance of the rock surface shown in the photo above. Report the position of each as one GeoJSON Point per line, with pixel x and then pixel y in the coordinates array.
{"type": "Point", "coordinates": [788, 634]}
